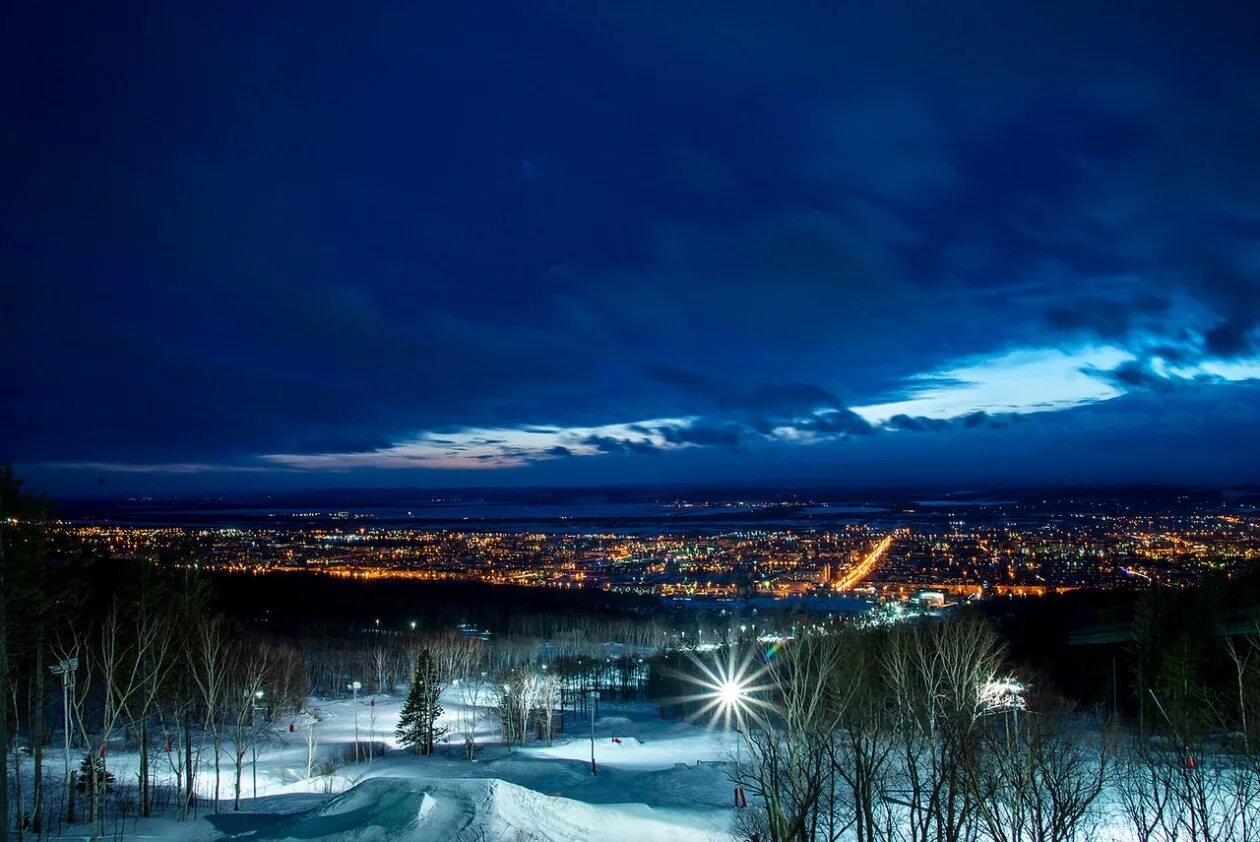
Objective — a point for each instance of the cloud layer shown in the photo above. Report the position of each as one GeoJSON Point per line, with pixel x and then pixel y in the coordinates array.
{"type": "Point", "coordinates": [569, 242]}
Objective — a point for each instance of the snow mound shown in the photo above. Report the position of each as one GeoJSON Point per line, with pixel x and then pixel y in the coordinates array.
{"type": "Point", "coordinates": [625, 742]}
{"type": "Point", "coordinates": [468, 809]}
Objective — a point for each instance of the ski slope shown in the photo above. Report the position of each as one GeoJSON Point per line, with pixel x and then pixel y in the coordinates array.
{"type": "Point", "coordinates": [657, 780]}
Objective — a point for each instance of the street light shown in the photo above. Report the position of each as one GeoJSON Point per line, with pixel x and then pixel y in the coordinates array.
{"type": "Point", "coordinates": [354, 687]}
{"type": "Point", "coordinates": [256, 706]}
{"type": "Point", "coordinates": [310, 721]}
{"type": "Point", "coordinates": [66, 669]}
{"type": "Point", "coordinates": [595, 699]}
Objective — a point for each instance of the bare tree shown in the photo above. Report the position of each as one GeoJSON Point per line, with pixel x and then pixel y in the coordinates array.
{"type": "Point", "coordinates": [154, 665]}
{"type": "Point", "coordinates": [862, 748]}
{"type": "Point", "coordinates": [787, 739]}
{"type": "Point", "coordinates": [1037, 780]}
{"type": "Point", "coordinates": [245, 698]}
{"type": "Point", "coordinates": [1145, 791]}
{"type": "Point", "coordinates": [210, 668]}
{"type": "Point", "coordinates": [310, 718]}
{"type": "Point", "coordinates": [118, 662]}
{"type": "Point", "coordinates": [546, 696]}
{"type": "Point", "coordinates": [469, 692]}
{"type": "Point", "coordinates": [380, 665]}
{"type": "Point", "coordinates": [938, 673]}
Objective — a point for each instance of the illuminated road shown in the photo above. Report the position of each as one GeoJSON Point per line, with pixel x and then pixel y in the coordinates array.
{"type": "Point", "coordinates": [864, 568]}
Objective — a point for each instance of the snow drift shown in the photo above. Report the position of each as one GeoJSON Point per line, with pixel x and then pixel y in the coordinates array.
{"type": "Point", "coordinates": [476, 809]}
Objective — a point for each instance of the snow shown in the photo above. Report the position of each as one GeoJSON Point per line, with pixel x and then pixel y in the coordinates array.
{"type": "Point", "coordinates": [660, 780]}
{"type": "Point", "coordinates": [475, 809]}
{"type": "Point", "coordinates": [657, 779]}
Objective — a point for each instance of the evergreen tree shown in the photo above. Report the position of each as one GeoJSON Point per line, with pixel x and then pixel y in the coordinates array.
{"type": "Point", "coordinates": [417, 725]}
{"type": "Point", "coordinates": [93, 769]}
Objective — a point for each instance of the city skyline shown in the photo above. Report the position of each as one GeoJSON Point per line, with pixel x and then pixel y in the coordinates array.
{"type": "Point", "coordinates": [557, 245]}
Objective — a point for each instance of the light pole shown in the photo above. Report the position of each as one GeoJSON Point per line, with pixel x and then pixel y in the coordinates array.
{"type": "Point", "coordinates": [595, 701]}
{"type": "Point", "coordinates": [354, 687]}
{"type": "Point", "coordinates": [253, 745]}
{"type": "Point", "coordinates": [66, 670]}
{"type": "Point", "coordinates": [509, 726]}
{"type": "Point", "coordinates": [310, 723]}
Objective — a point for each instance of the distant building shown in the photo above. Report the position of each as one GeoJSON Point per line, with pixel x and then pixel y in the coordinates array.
{"type": "Point", "coordinates": [930, 599]}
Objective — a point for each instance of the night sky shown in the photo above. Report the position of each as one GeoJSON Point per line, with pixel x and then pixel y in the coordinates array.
{"type": "Point", "coordinates": [318, 245]}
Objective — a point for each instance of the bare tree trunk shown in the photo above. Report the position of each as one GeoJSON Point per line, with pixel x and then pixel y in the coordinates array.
{"type": "Point", "coordinates": [190, 793]}
{"type": "Point", "coordinates": [17, 777]}
{"type": "Point", "coordinates": [37, 738]}
{"type": "Point", "coordinates": [144, 768]}
{"type": "Point", "coordinates": [236, 793]}
{"type": "Point", "coordinates": [210, 667]}
{"type": "Point", "coordinates": [4, 704]}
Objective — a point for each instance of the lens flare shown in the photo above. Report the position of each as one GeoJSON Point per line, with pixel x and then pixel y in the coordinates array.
{"type": "Point", "coordinates": [733, 690]}
{"type": "Point", "coordinates": [730, 693]}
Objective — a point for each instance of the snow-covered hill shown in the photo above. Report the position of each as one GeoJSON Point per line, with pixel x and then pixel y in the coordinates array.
{"type": "Point", "coordinates": [476, 809]}
{"type": "Point", "coordinates": [658, 780]}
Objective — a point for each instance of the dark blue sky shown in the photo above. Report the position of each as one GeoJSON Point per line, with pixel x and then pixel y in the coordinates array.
{"type": "Point", "coordinates": [470, 243]}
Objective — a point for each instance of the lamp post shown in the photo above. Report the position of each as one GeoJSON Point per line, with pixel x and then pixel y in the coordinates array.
{"type": "Point", "coordinates": [256, 706]}
{"type": "Point", "coordinates": [66, 670]}
{"type": "Point", "coordinates": [595, 701]}
{"type": "Point", "coordinates": [310, 723]}
{"type": "Point", "coordinates": [354, 687]}
{"type": "Point", "coordinates": [509, 726]}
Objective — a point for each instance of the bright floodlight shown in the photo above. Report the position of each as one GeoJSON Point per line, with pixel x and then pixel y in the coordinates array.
{"type": "Point", "coordinates": [999, 694]}
{"type": "Point", "coordinates": [730, 693]}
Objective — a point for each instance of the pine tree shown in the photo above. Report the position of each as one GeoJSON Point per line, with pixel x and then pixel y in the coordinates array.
{"type": "Point", "coordinates": [93, 769]}
{"type": "Point", "coordinates": [417, 725]}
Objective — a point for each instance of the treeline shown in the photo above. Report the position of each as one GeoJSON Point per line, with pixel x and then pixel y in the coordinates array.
{"type": "Point", "coordinates": [295, 603]}
{"type": "Point", "coordinates": [103, 656]}
{"type": "Point", "coordinates": [1107, 648]}
{"type": "Point", "coordinates": [927, 731]}
{"type": "Point", "coordinates": [185, 677]}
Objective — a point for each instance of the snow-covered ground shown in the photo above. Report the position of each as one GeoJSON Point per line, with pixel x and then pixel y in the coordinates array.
{"type": "Point", "coordinates": [660, 780]}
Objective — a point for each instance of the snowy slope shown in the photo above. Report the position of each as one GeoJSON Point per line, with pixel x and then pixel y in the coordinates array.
{"type": "Point", "coordinates": [472, 809]}
{"type": "Point", "coordinates": [658, 780]}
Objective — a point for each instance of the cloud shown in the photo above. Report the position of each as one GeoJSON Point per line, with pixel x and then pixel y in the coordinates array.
{"type": "Point", "coordinates": [612, 444]}
{"type": "Point", "coordinates": [1019, 381]}
{"type": "Point", "coordinates": [159, 468]}
{"type": "Point", "coordinates": [705, 435]}
{"type": "Point", "coordinates": [794, 230]}
{"type": "Point", "coordinates": [843, 422]}
{"type": "Point", "coordinates": [916, 423]}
